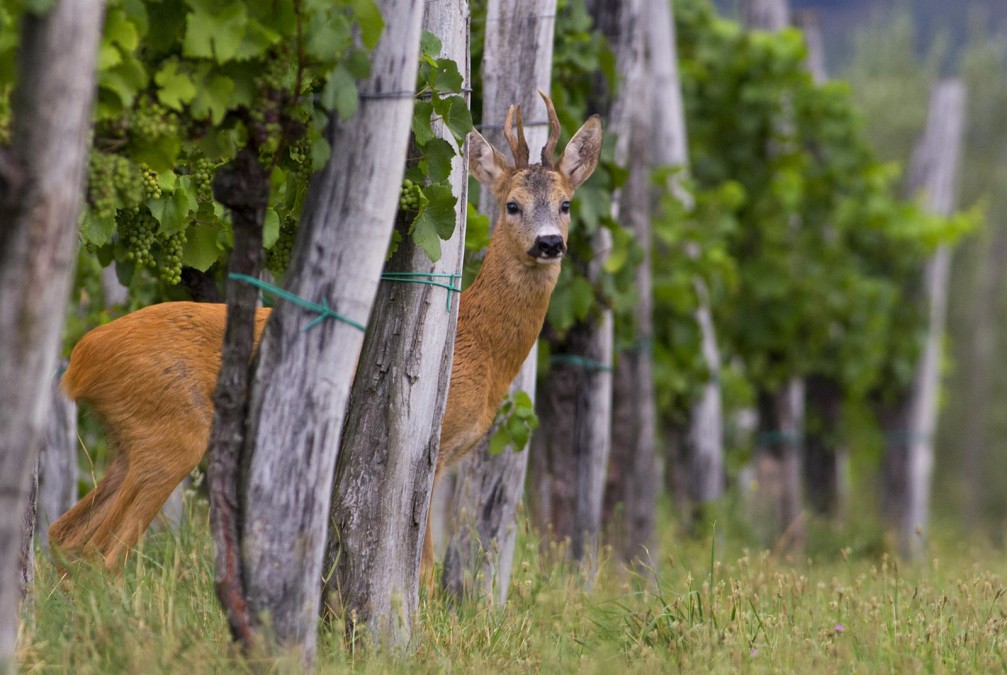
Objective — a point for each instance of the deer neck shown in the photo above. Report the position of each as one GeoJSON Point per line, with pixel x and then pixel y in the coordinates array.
{"type": "Point", "coordinates": [502, 312]}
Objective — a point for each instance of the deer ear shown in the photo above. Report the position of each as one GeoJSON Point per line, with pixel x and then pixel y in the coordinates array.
{"type": "Point", "coordinates": [485, 162]}
{"type": "Point", "coordinates": [581, 154]}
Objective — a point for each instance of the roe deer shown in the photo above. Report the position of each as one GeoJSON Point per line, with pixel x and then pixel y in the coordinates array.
{"type": "Point", "coordinates": [150, 375]}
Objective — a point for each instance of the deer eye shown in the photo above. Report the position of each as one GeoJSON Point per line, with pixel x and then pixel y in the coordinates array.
{"type": "Point", "coordinates": [513, 208]}
{"type": "Point", "coordinates": [564, 207]}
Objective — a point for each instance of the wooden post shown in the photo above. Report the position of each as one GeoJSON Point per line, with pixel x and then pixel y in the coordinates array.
{"type": "Point", "coordinates": [517, 61]}
{"type": "Point", "coordinates": [57, 463]}
{"type": "Point", "coordinates": [934, 174]}
{"type": "Point", "coordinates": [391, 437]}
{"type": "Point", "coordinates": [571, 452]}
{"type": "Point", "coordinates": [41, 176]}
{"type": "Point", "coordinates": [703, 444]}
{"type": "Point", "coordinates": [302, 385]}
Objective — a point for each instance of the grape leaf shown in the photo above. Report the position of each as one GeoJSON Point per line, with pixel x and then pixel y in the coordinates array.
{"type": "Point", "coordinates": [201, 250]}
{"type": "Point", "coordinates": [369, 19]}
{"type": "Point", "coordinates": [340, 93]}
{"type": "Point", "coordinates": [437, 156]}
{"type": "Point", "coordinates": [213, 96]}
{"type": "Point", "coordinates": [172, 210]}
{"type": "Point", "coordinates": [430, 45]}
{"type": "Point", "coordinates": [457, 117]}
{"type": "Point", "coordinates": [422, 130]}
{"type": "Point", "coordinates": [215, 36]}
{"type": "Point", "coordinates": [97, 232]}
{"type": "Point", "coordinates": [176, 87]}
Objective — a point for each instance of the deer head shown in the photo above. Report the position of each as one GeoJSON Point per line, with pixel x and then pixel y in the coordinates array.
{"type": "Point", "coordinates": [534, 200]}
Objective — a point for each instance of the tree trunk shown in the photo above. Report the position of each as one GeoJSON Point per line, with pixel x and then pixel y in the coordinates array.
{"type": "Point", "coordinates": [826, 462]}
{"type": "Point", "coordinates": [934, 171]}
{"type": "Point", "coordinates": [778, 467]}
{"type": "Point", "coordinates": [631, 492]}
{"type": "Point", "coordinates": [517, 61]}
{"type": "Point", "coordinates": [243, 187]}
{"type": "Point", "coordinates": [57, 463]}
{"type": "Point", "coordinates": [825, 458]}
{"type": "Point", "coordinates": [385, 472]}
{"type": "Point", "coordinates": [41, 176]}
{"type": "Point", "coordinates": [300, 390]}
{"type": "Point", "coordinates": [778, 448]}
{"type": "Point", "coordinates": [982, 352]}
{"type": "Point", "coordinates": [575, 401]}
{"type": "Point", "coordinates": [702, 448]}
{"type": "Point", "coordinates": [768, 15]}
{"type": "Point", "coordinates": [26, 556]}
{"type": "Point", "coordinates": [809, 23]}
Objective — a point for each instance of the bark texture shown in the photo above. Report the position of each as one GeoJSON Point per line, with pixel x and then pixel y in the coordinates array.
{"type": "Point", "coordinates": [57, 463]}
{"type": "Point", "coordinates": [570, 468]}
{"type": "Point", "coordinates": [517, 61]}
{"type": "Point", "coordinates": [933, 173]}
{"type": "Point", "coordinates": [385, 471]}
{"type": "Point", "coordinates": [302, 384]}
{"type": "Point", "coordinates": [631, 491]}
{"type": "Point", "coordinates": [41, 176]}
{"type": "Point", "coordinates": [244, 188]}
{"type": "Point", "coordinates": [26, 556]}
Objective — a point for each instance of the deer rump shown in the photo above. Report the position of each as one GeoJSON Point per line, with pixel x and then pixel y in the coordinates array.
{"type": "Point", "coordinates": [149, 377]}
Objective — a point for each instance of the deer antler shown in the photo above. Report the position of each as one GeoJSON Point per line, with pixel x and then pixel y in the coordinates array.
{"type": "Point", "coordinates": [549, 151]}
{"type": "Point", "coordinates": [518, 145]}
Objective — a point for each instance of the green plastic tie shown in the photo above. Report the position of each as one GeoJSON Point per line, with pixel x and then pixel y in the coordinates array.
{"type": "Point", "coordinates": [584, 362]}
{"type": "Point", "coordinates": [428, 279]}
{"type": "Point", "coordinates": [323, 310]}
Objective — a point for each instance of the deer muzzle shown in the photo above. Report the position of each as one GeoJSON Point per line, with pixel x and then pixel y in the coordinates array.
{"type": "Point", "coordinates": [548, 248]}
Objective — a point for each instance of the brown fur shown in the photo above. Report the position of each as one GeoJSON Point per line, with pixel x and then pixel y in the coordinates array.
{"type": "Point", "coordinates": [150, 375]}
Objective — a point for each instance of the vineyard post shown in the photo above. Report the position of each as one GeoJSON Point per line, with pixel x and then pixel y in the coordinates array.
{"type": "Point", "coordinates": [300, 390]}
{"type": "Point", "coordinates": [391, 437]}
{"type": "Point", "coordinates": [41, 175]}
{"type": "Point", "coordinates": [517, 62]}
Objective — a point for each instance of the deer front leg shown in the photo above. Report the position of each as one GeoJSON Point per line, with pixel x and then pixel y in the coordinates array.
{"type": "Point", "coordinates": [428, 569]}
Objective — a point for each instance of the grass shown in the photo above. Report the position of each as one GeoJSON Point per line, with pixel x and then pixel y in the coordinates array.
{"type": "Point", "coordinates": [710, 610]}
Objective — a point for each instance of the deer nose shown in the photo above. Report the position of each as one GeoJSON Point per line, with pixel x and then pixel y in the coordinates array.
{"type": "Point", "coordinates": [548, 246]}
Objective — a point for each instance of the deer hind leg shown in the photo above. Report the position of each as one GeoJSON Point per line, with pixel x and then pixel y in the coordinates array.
{"type": "Point", "coordinates": [74, 530]}
{"type": "Point", "coordinates": [155, 471]}
{"type": "Point", "coordinates": [137, 504]}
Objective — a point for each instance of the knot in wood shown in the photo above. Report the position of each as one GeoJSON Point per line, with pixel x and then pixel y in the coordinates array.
{"type": "Point", "coordinates": [242, 184]}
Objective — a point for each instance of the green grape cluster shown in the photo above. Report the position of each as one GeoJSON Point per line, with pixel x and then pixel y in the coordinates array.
{"type": "Point", "coordinates": [300, 153]}
{"type": "Point", "coordinates": [150, 186]}
{"type": "Point", "coordinates": [278, 256]}
{"type": "Point", "coordinates": [171, 258]}
{"type": "Point", "coordinates": [101, 193]}
{"type": "Point", "coordinates": [409, 197]}
{"type": "Point", "coordinates": [137, 229]}
{"type": "Point", "coordinates": [202, 176]}
{"type": "Point", "coordinates": [149, 120]}
{"type": "Point", "coordinates": [113, 182]}
{"type": "Point", "coordinates": [129, 182]}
